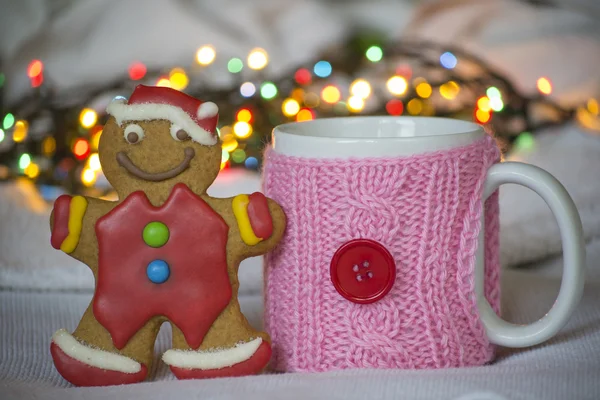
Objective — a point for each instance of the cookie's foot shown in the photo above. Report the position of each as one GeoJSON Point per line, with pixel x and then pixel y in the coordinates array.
{"type": "Point", "coordinates": [85, 366]}
{"type": "Point", "coordinates": [243, 359]}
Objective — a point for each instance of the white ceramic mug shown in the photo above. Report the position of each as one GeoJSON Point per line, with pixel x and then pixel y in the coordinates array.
{"type": "Point", "coordinates": [311, 149]}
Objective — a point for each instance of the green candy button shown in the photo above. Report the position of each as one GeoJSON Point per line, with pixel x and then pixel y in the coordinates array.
{"type": "Point", "coordinates": [156, 234]}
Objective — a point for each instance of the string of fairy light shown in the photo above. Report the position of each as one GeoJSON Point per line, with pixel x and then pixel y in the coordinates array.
{"type": "Point", "coordinates": [404, 78]}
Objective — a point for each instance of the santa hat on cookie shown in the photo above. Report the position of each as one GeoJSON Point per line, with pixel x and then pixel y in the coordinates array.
{"type": "Point", "coordinates": [199, 119]}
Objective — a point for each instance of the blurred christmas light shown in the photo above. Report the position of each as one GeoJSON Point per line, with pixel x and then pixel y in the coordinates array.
{"type": "Point", "coordinates": [268, 90]}
{"type": "Point", "coordinates": [449, 90]}
{"type": "Point", "coordinates": [35, 68]}
{"type": "Point", "coordinates": [225, 133]}
{"type": "Point", "coordinates": [178, 79]}
{"type": "Point", "coordinates": [9, 121]}
{"type": "Point", "coordinates": [414, 106]}
{"type": "Point", "coordinates": [238, 156]}
{"type": "Point", "coordinates": [544, 85]}
{"type": "Point", "coordinates": [525, 141]}
{"type": "Point", "coordinates": [48, 146]}
{"type": "Point", "coordinates": [95, 141]}
{"type": "Point", "coordinates": [322, 69]}
{"type": "Point", "coordinates": [242, 129]}
{"type": "Point", "coordinates": [374, 54]}
{"type": "Point", "coordinates": [244, 115]}
{"type": "Point", "coordinates": [302, 76]}
{"type": "Point", "coordinates": [24, 161]}
{"type": "Point", "coordinates": [229, 145]}
{"type": "Point", "coordinates": [224, 156]}
{"type": "Point", "coordinates": [20, 131]}
{"type": "Point", "coordinates": [298, 95]}
{"type": "Point", "coordinates": [81, 149]}
{"type": "Point", "coordinates": [448, 60]}
{"type": "Point", "coordinates": [592, 106]}
{"type": "Point", "coordinates": [247, 89]}
{"type": "Point", "coordinates": [290, 107]}
{"type": "Point", "coordinates": [484, 104]}
{"type": "Point", "coordinates": [2, 136]}
{"type": "Point", "coordinates": [394, 107]}
{"type": "Point", "coordinates": [360, 88]}
{"type": "Point", "coordinates": [137, 71]}
{"type": "Point", "coordinates": [32, 170]}
{"type": "Point", "coordinates": [257, 59]}
{"type": "Point", "coordinates": [251, 163]}
{"type": "Point", "coordinates": [88, 118]}
{"type": "Point", "coordinates": [94, 162]}
{"type": "Point", "coordinates": [311, 100]}
{"type": "Point", "coordinates": [482, 116]}
{"type": "Point", "coordinates": [235, 65]}
{"type": "Point", "coordinates": [224, 164]}
{"type": "Point", "coordinates": [88, 177]}
{"type": "Point", "coordinates": [205, 55]}
{"type": "Point", "coordinates": [423, 90]}
{"type": "Point", "coordinates": [163, 82]}
{"type": "Point", "coordinates": [496, 104]}
{"type": "Point", "coordinates": [397, 85]}
{"type": "Point", "coordinates": [355, 103]}
{"type": "Point", "coordinates": [305, 115]}
{"type": "Point", "coordinates": [330, 94]}
{"type": "Point", "coordinates": [37, 81]}
{"type": "Point", "coordinates": [2, 79]}
{"type": "Point", "coordinates": [493, 92]}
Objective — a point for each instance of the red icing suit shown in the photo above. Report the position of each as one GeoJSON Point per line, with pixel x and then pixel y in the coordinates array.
{"type": "Point", "coordinates": [197, 289]}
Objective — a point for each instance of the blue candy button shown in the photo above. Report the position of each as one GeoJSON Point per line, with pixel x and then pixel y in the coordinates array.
{"type": "Point", "coordinates": [158, 271]}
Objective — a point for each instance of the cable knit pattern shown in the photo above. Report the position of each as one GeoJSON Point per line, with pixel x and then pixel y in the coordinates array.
{"type": "Point", "coordinates": [425, 209]}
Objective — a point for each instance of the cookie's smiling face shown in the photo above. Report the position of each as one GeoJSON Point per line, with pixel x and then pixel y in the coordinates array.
{"type": "Point", "coordinates": [154, 156]}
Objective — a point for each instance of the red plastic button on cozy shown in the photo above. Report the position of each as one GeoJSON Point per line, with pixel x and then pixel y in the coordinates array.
{"type": "Point", "coordinates": [363, 271]}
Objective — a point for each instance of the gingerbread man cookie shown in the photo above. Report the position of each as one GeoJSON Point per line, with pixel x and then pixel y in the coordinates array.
{"type": "Point", "coordinates": [164, 252]}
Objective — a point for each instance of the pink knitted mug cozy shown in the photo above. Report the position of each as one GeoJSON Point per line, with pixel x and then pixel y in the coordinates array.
{"type": "Point", "coordinates": [425, 210]}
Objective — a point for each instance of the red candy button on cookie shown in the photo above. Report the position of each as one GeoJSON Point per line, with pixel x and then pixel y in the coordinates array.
{"type": "Point", "coordinates": [363, 271]}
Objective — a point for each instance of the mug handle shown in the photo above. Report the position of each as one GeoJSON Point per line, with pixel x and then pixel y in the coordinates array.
{"type": "Point", "coordinates": [504, 333]}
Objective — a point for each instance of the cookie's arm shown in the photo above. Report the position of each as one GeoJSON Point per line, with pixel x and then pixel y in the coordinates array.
{"type": "Point", "coordinates": [71, 219]}
{"type": "Point", "coordinates": [260, 221]}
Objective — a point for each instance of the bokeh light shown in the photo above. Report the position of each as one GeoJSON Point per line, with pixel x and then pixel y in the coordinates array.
{"type": "Point", "coordinates": [81, 149]}
{"type": "Point", "coordinates": [88, 177]}
{"type": "Point", "coordinates": [592, 106]}
{"type": "Point", "coordinates": [355, 103]}
{"type": "Point", "coordinates": [48, 146]}
{"type": "Point", "coordinates": [242, 129]}
{"type": "Point", "coordinates": [247, 89]}
{"type": "Point", "coordinates": [394, 107]}
{"type": "Point", "coordinates": [163, 82]}
{"type": "Point", "coordinates": [20, 131]}
{"type": "Point", "coordinates": [374, 54]}
{"type": "Point", "coordinates": [414, 106]}
{"type": "Point", "coordinates": [322, 69]}
{"type": "Point", "coordinates": [244, 115]}
{"type": "Point", "coordinates": [397, 85]}
{"type": "Point", "coordinates": [303, 76]}
{"type": "Point", "coordinates": [290, 107]}
{"type": "Point", "coordinates": [312, 100]}
{"type": "Point", "coordinates": [88, 118]}
{"type": "Point", "coordinates": [268, 90]}
{"type": "Point", "coordinates": [35, 68]}
{"type": "Point", "coordinates": [235, 65]}
{"type": "Point", "coordinates": [449, 90]}
{"type": "Point", "coordinates": [423, 90]}
{"type": "Point", "coordinates": [137, 71]}
{"type": "Point", "coordinates": [94, 162]}
{"type": "Point", "coordinates": [230, 145]}
{"type": "Point", "coordinates": [305, 114]}
{"type": "Point", "coordinates": [178, 79]}
{"type": "Point", "coordinates": [238, 156]}
{"type": "Point", "coordinates": [206, 55]}
{"type": "Point", "coordinates": [544, 85]}
{"type": "Point", "coordinates": [448, 60]}
{"type": "Point", "coordinates": [2, 136]}
{"type": "Point", "coordinates": [496, 104]}
{"type": "Point", "coordinates": [360, 88]}
{"type": "Point", "coordinates": [8, 121]}
{"type": "Point", "coordinates": [482, 116]}
{"type": "Point", "coordinates": [24, 161]}
{"type": "Point", "coordinates": [483, 103]}
{"type": "Point", "coordinates": [32, 170]}
{"type": "Point", "coordinates": [493, 92]}
{"type": "Point", "coordinates": [524, 142]}
{"type": "Point", "coordinates": [251, 163]}
{"type": "Point", "coordinates": [330, 94]}
{"type": "Point", "coordinates": [257, 59]}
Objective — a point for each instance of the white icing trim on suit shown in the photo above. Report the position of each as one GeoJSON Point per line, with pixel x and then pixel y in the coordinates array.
{"type": "Point", "coordinates": [122, 111]}
{"type": "Point", "coordinates": [94, 357]}
{"type": "Point", "coordinates": [207, 110]}
{"type": "Point", "coordinates": [212, 359]}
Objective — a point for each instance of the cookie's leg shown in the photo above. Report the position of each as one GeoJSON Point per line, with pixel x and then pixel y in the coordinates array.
{"type": "Point", "coordinates": [89, 358]}
{"type": "Point", "coordinates": [230, 348]}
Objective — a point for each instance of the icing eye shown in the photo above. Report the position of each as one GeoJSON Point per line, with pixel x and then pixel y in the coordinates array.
{"type": "Point", "coordinates": [178, 133]}
{"type": "Point", "coordinates": [134, 133]}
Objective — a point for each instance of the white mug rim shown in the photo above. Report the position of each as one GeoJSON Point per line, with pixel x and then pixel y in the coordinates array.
{"type": "Point", "coordinates": [372, 136]}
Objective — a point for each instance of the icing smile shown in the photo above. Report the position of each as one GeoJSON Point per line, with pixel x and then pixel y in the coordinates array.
{"type": "Point", "coordinates": [134, 170]}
